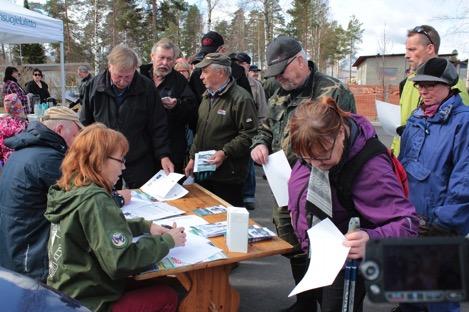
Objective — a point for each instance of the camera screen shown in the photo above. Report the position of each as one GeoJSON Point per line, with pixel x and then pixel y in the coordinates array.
{"type": "Point", "coordinates": [410, 268]}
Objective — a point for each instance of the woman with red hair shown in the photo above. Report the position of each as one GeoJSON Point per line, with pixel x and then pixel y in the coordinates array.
{"type": "Point", "coordinates": [91, 247]}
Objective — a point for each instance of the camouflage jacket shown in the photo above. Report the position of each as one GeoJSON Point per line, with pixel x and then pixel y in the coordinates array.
{"type": "Point", "coordinates": [274, 131]}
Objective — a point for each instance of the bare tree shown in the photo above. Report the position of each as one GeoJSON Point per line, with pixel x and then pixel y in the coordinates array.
{"type": "Point", "coordinates": [211, 4]}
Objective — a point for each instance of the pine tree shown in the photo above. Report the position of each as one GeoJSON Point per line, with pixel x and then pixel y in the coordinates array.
{"type": "Point", "coordinates": [192, 31]}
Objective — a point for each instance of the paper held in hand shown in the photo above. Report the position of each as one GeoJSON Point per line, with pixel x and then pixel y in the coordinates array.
{"type": "Point", "coordinates": [165, 187]}
{"type": "Point", "coordinates": [278, 170]}
{"type": "Point", "coordinates": [389, 115]}
{"type": "Point", "coordinates": [200, 161]}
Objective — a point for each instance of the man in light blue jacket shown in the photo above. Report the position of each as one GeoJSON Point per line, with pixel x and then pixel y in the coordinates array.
{"type": "Point", "coordinates": [435, 154]}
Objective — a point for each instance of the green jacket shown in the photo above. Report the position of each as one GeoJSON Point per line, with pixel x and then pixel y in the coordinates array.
{"type": "Point", "coordinates": [227, 122]}
{"type": "Point", "coordinates": [274, 131]}
{"type": "Point", "coordinates": [91, 252]}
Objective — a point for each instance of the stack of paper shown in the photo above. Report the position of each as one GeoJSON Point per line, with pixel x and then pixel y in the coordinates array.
{"type": "Point", "coordinates": [201, 161]}
{"type": "Point", "coordinates": [165, 187]}
{"type": "Point", "coordinates": [141, 206]}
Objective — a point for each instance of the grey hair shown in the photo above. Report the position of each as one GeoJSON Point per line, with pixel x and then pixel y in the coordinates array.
{"type": "Point", "coordinates": [123, 57]}
{"type": "Point", "coordinates": [226, 69]}
{"type": "Point", "coordinates": [167, 44]}
{"type": "Point", "coordinates": [83, 68]}
{"type": "Point", "coordinates": [303, 55]}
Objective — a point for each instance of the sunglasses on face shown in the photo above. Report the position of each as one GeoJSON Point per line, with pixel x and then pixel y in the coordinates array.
{"type": "Point", "coordinates": [425, 85]}
{"type": "Point", "coordinates": [422, 31]}
{"type": "Point", "coordinates": [37, 75]}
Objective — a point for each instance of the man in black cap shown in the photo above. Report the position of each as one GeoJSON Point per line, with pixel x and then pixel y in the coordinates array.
{"type": "Point", "coordinates": [299, 79]}
{"type": "Point", "coordinates": [227, 122]}
{"type": "Point", "coordinates": [254, 72]}
{"type": "Point", "coordinates": [213, 42]}
{"type": "Point", "coordinates": [435, 154]}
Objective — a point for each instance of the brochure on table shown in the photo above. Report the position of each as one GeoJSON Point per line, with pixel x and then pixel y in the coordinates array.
{"type": "Point", "coordinates": [142, 206]}
{"type": "Point", "coordinates": [165, 187]}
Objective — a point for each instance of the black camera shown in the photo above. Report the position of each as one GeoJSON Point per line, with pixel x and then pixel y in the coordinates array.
{"type": "Point", "coordinates": [427, 269]}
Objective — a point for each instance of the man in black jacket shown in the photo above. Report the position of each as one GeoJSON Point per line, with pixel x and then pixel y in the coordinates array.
{"type": "Point", "coordinates": [126, 101]}
{"type": "Point", "coordinates": [213, 42]}
{"type": "Point", "coordinates": [176, 95]}
{"type": "Point", "coordinates": [29, 172]}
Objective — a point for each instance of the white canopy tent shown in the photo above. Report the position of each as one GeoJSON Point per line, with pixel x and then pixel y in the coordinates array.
{"type": "Point", "coordinates": [19, 25]}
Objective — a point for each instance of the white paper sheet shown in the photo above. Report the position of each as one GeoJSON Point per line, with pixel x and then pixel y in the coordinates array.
{"type": "Point", "coordinates": [164, 187]}
{"type": "Point", "coordinates": [328, 256]}
{"type": "Point", "coordinates": [278, 170]}
{"type": "Point", "coordinates": [196, 250]}
{"type": "Point", "coordinates": [389, 115]}
{"type": "Point", "coordinates": [148, 210]}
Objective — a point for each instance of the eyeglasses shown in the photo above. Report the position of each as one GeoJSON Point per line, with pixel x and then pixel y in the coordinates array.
{"type": "Point", "coordinates": [288, 63]}
{"type": "Point", "coordinates": [322, 158]}
{"type": "Point", "coordinates": [122, 161]}
{"type": "Point", "coordinates": [429, 86]}
{"type": "Point", "coordinates": [422, 31]}
{"type": "Point", "coordinates": [37, 75]}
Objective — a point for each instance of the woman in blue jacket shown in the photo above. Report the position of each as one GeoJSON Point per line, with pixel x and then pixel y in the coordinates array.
{"type": "Point", "coordinates": [435, 154]}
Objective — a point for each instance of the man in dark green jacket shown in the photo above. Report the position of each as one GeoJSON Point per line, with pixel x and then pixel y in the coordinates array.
{"type": "Point", "coordinates": [227, 121]}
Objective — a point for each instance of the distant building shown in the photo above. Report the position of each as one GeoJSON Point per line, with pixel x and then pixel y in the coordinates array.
{"type": "Point", "coordinates": [371, 71]}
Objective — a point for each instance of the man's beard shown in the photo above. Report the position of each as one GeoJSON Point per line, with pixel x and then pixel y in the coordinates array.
{"type": "Point", "coordinates": [161, 73]}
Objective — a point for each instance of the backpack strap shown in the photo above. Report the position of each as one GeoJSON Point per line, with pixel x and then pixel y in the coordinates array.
{"type": "Point", "coordinates": [345, 178]}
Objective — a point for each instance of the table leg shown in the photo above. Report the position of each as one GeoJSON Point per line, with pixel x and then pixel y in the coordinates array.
{"type": "Point", "coordinates": [210, 291]}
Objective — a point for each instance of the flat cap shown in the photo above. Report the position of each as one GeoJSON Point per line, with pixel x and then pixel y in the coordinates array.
{"type": "Point", "coordinates": [279, 51]}
{"type": "Point", "coordinates": [214, 58]}
{"type": "Point", "coordinates": [62, 113]}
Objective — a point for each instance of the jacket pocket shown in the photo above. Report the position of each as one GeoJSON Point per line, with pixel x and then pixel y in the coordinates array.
{"type": "Point", "coordinates": [417, 171]}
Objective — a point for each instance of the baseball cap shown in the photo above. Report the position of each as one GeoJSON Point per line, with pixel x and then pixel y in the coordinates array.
{"type": "Point", "coordinates": [211, 41]}
{"type": "Point", "coordinates": [254, 68]}
{"type": "Point", "coordinates": [279, 51]}
{"type": "Point", "coordinates": [243, 57]}
{"type": "Point", "coordinates": [214, 58]}
{"type": "Point", "coordinates": [62, 113]}
{"type": "Point", "coordinates": [437, 70]}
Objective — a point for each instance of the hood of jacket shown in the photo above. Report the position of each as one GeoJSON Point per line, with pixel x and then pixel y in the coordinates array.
{"type": "Point", "coordinates": [61, 203]}
{"type": "Point", "coordinates": [37, 135]}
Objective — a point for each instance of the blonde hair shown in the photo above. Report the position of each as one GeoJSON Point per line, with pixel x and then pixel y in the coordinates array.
{"type": "Point", "coordinates": [84, 160]}
{"type": "Point", "coordinates": [314, 125]}
{"type": "Point", "coordinates": [123, 58]}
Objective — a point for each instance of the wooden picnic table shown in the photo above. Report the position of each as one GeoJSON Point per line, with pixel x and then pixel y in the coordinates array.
{"type": "Point", "coordinates": [207, 283]}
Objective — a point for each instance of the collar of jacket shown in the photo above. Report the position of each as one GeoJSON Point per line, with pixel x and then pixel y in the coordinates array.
{"type": "Point", "coordinates": [444, 111]}
{"type": "Point", "coordinates": [135, 87]}
{"type": "Point", "coordinates": [225, 90]}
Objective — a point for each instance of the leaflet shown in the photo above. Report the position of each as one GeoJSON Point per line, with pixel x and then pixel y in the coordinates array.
{"type": "Point", "coordinates": [165, 187]}
{"type": "Point", "coordinates": [200, 161]}
{"type": "Point", "coordinates": [141, 206]}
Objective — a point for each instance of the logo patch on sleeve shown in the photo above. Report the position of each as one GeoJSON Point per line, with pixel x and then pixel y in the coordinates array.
{"type": "Point", "coordinates": [119, 240]}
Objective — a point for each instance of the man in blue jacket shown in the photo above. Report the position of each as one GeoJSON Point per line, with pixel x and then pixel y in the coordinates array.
{"type": "Point", "coordinates": [435, 154]}
{"type": "Point", "coordinates": [29, 172]}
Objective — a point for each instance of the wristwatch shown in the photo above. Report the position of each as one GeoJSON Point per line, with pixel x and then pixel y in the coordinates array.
{"type": "Point", "coordinates": [118, 198]}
